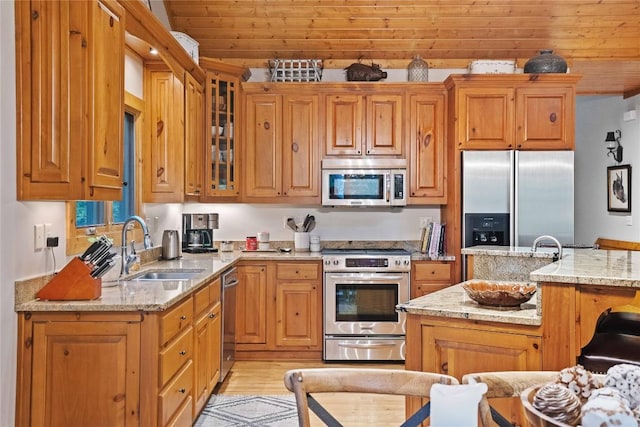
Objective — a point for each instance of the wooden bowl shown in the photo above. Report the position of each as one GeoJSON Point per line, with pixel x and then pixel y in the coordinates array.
{"type": "Point", "coordinates": [498, 293]}
{"type": "Point", "coordinates": [536, 418]}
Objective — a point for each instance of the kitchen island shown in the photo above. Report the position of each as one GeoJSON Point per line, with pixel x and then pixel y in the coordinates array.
{"type": "Point", "coordinates": [458, 337]}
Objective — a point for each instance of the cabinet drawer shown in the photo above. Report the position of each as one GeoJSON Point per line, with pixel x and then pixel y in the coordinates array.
{"type": "Point", "coordinates": [184, 417]}
{"type": "Point", "coordinates": [176, 355]}
{"type": "Point", "coordinates": [214, 291]}
{"type": "Point", "coordinates": [176, 320]}
{"type": "Point", "coordinates": [175, 393]}
{"type": "Point", "coordinates": [297, 271]}
{"type": "Point", "coordinates": [201, 299]}
{"type": "Point", "coordinates": [432, 271]}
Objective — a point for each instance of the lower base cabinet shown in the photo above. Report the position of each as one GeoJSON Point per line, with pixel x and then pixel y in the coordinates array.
{"type": "Point", "coordinates": [119, 369]}
{"type": "Point", "coordinates": [458, 347]}
{"type": "Point", "coordinates": [78, 369]}
{"type": "Point", "coordinates": [279, 311]}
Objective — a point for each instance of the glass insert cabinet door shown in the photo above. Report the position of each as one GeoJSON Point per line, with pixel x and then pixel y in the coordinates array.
{"type": "Point", "coordinates": [223, 97]}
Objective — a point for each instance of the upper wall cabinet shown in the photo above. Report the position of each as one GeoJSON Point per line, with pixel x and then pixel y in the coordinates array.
{"type": "Point", "coordinates": [193, 137]}
{"type": "Point", "coordinates": [363, 124]}
{"type": "Point", "coordinates": [426, 146]}
{"type": "Point", "coordinates": [222, 98]}
{"type": "Point", "coordinates": [163, 149]}
{"type": "Point", "coordinates": [281, 147]}
{"type": "Point", "coordinates": [519, 111]}
{"type": "Point", "coordinates": [70, 100]}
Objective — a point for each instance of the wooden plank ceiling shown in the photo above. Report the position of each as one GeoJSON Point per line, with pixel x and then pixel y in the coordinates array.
{"type": "Point", "coordinates": [600, 39]}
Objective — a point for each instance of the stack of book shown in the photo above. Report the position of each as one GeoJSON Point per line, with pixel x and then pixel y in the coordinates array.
{"type": "Point", "coordinates": [432, 239]}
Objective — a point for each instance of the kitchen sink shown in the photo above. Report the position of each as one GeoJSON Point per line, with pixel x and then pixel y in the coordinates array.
{"type": "Point", "coordinates": [165, 275]}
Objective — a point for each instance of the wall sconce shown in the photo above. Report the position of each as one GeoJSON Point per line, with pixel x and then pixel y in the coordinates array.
{"type": "Point", "coordinates": [613, 145]}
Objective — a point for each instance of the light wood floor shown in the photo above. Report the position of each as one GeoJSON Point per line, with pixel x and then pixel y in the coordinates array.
{"type": "Point", "coordinates": [258, 377]}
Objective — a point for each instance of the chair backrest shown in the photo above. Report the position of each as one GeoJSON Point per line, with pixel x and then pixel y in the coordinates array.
{"type": "Point", "coordinates": [304, 382]}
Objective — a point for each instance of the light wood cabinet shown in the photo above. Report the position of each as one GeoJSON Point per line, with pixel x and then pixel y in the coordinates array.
{"type": "Point", "coordinates": [161, 366]}
{"type": "Point", "coordinates": [513, 111]}
{"type": "Point", "coordinates": [207, 344]}
{"type": "Point", "coordinates": [298, 305]}
{"type": "Point", "coordinates": [64, 362]}
{"type": "Point", "coordinates": [426, 147]}
{"type": "Point", "coordinates": [163, 150]}
{"type": "Point", "coordinates": [222, 131]}
{"type": "Point", "coordinates": [430, 276]}
{"type": "Point", "coordinates": [364, 125]}
{"type": "Point", "coordinates": [281, 150]}
{"type": "Point", "coordinates": [458, 347]}
{"type": "Point", "coordinates": [70, 102]}
{"type": "Point", "coordinates": [289, 319]}
{"type": "Point", "coordinates": [194, 138]}
{"type": "Point", "coordinates": [251, 303]}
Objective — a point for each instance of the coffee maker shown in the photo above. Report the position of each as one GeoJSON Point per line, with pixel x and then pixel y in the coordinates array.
{"type": "Point", "coordinates": [197, 232]}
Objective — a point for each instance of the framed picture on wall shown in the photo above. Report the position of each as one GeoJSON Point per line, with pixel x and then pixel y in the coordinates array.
{"type": "Point", "coordinates": [619, 188]}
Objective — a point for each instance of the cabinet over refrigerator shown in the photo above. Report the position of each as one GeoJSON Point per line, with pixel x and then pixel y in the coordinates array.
{"type": "Point", "coordinates": [511, 197]}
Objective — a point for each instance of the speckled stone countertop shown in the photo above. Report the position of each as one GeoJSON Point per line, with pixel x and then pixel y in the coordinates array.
{"type": "Point", "coordinates": [512, 251]}
{"type": "Point", "coordinates": [453, 302]}
{"type": "Point", "coordinates": [132, 295]}
{"type": "Point", "coordinates": [593, 267]}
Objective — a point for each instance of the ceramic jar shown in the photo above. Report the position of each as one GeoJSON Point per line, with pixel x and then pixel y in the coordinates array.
{"type": "Point", "coordinates": [546, 62]}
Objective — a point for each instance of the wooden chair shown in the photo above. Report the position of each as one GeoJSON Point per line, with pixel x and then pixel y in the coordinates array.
{"type": "Point", "coordinates": [303, 382]}
{"type": "Point", "coordinates": [505, 384]}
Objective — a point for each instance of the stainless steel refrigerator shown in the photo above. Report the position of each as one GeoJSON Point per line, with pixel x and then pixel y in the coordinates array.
{"type": "Point", "coordinates": [531, 191]}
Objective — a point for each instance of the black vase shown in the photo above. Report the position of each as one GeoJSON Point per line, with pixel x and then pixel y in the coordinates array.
{"type": "Point", "coordinates": [546, 62]}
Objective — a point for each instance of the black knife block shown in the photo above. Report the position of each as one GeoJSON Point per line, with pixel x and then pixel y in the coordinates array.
{"type": "Point", "coordinates": [73, 282]}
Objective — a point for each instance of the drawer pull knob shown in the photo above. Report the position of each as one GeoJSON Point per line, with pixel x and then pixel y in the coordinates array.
{"type": "Point", "coordinates": [212, 316]}
{"type": "Point", "coordinates": [182, 390]}
{"type": "Point", "coordinates": [183, 317]}
{"type": "Point", "coordinates": [183, 352]}
{"type": "Point", "coordinates": [445, 367]}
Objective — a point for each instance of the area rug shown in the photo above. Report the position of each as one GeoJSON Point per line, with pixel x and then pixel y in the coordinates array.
{"type": "Point", "coordinates": [249, 411]}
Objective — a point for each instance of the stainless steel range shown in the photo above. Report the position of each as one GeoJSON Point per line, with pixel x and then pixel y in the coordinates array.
{"type": "Point", "coordinates": [361, 290]}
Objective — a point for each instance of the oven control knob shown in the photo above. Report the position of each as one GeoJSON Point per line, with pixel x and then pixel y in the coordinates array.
{"type": "Point", "coordinates": [398, 262]}
{"type": "Point", "coordinates": [406, 262]}
{"type": "Point", "coordinates": [336, 262]}
{"type": "Point", "coordinates": [327, 262]}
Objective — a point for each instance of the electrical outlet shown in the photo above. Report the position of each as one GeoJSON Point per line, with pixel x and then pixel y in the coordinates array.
{"type": "Point", "coordinates": [425, 220]}
{"type": "Point", "coordinates": [38, 236]}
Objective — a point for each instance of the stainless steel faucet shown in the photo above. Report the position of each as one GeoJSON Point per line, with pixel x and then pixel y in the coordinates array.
{"type": "Point", "coordinates": [128, 259]}
{"type": "Point", "coordinates": [553, 239]}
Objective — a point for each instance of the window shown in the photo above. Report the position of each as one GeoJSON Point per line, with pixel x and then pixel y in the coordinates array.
{"type": "Point", "coordinates": [96, 218]}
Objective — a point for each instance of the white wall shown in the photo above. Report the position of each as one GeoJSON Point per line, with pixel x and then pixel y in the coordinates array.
{"type": "Point", "coordinates": [594, 117]}
{"type": "Point", "coordinates": [237, 221]}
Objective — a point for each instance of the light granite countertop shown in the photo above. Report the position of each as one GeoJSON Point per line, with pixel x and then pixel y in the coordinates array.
{"type": "Point", "coordinates": [132, 295]}
{"type": "Point", "coordinates": [593, 267]}
{"type": "Point", "coordinates": [513, 251]}
{"type": "Point", "coordinates": [453, 302]}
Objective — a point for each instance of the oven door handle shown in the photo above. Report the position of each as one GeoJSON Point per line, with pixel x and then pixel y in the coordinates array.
{"type": "Point", "coordinates": [367, 345]}
{"type": "Point", "coordinates": [363, 277]}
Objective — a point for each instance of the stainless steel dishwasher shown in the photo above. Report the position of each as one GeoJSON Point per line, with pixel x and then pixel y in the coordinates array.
{"type": "Point", "coordinates": [229, 284]}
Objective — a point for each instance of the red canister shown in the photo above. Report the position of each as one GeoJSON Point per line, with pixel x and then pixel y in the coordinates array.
{"type": "Point", "coordinates": [252, 243]}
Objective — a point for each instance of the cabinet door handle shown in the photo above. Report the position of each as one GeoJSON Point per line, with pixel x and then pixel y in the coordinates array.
{"type": "Point", "coordinates": [294, 147]}
{"type": "Point", "coordinates": [553, 117]}
{"type": "Point", "coordinates": [159, 127]}
{"type": "Point", "coordinates": [212, 316]}
{"type": "Point", "coordinates": [159, 172]}
{"type": "Point", "coordinates": [445, 367]}
{"type": "Point", "coordinates": [182, 352]}
{"type": "Point", "coordinates": [266, 125]}
{"type": "Point", "coordinates": [182, 390]}
{"type": "Point", "coordinates": [183, 317]}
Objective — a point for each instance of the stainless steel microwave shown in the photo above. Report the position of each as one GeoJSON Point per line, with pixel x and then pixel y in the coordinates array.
{"type": "Point", "coordinates": [364, 182]}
